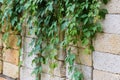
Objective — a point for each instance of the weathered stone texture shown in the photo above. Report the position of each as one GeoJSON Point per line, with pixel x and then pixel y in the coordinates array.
{"type": "Point", "coordinates": [58, 71]}
{"type": "Point", "coordinates": [26, 74]}
{"type": "Point", "coordinates": [101, 75]}
{"type": "Point", "coordinates": [10, 70]}
{"type": "Point", "coordinates": [27, 60]}
{"type": "Point", "coordinates": [107, 43]}
{"type": "Point", "coordinates": [111, 24]}
{"type": "Point", "coordinates": [61, 55]}
{"type": "Point", "coordinates": [11, 56]}
{"type": "Point", "coordinates": [106, 62]}
{"type": "Point", "coordinates": [12, 42]}
{"type": "Point", "coordinates": [26, 45]}
{"type": "Point", "coordinates": [83, 58]}
{"type": "Point", "coordinates": [113, 6]}
{"type": "Point", "coordinates": [45, 76]}
{"type": "Point", "coordinates": [86, 70]}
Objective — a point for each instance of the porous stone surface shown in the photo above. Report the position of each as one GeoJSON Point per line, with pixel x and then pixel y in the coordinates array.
{"type": "Point", "coordinates": [11, 56]}
{"type": "Point", "coordinates": [26, 74]}
{"type": "Point", "coordinates": [84, 58]}
{"type": "Point", "coordinates": [27, 47]}
{"type": "Point", "coordinates": [113, 6]}
{"type": "Point", "coordinates": [111, 24]}
{"type": "Point", "coordinates": [107, 43]}
{"type": "Point", "coordinates": [102, 75]}
{"type": "Point", "coordinates": [61, 55]}
{"type": "Point", "coordinates": [27, 60]}
{"type": "Point", "coordinates": [106, 62]}
{"type": "Point", "coordinates": [10, 70]}
{"type": "Point", "coordinates": [86, 70]}
{"type": "Point", "coordinates": [12, 42]}
{"type": "Point", "coordinates": [58, 71]}
{"type": "Point", "coordinates": [45, 76]}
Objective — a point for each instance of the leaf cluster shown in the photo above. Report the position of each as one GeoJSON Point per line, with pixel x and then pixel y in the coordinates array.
{"type": "Point", "coordinates": [56, 24]}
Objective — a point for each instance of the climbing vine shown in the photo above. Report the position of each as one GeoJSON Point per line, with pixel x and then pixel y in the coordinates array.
{"type": "Point", "coordinates": [55, 24]}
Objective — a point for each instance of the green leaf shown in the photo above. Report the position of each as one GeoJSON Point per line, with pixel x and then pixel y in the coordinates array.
{"type": "Point", "coordinates": [105, 1]}
{"type": "Point", "coordinates": [72, 8]}
{"type": "Point", "coordinates": [20, 64]}
{"type": "Point", "coordinates": [5, 36]}
{"type": "Point", "coordinates": [50, 6]}
{"type": "Point", "coordinates": [87, 50]}
{"type": "Point", "coordinates": [19, 41]}
{"type": "Point", "coordinates": [70, 57]}
{"type": "Point", "coordinates": [27, 5]}
{"type": "Point", "coordinates": [53, 65]}
{"type": "Point", "coordinates": [64, 25]}
{"type": "Point", "coordinates": [103, 12]}
{"type": "Point", "coordinates": [87, 34]}
{"type": "Point", "coordinates": [85, 41]}
{"type": "Point", "coordinates": [85, 21]}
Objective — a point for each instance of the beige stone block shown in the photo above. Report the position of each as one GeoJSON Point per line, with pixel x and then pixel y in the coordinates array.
{"type": "Point", "coordinates": [10, 70]}
{"type": "Point", "coordinates": [1, 66]}
{"type": "Point", "coordinates": [12, 42]}
{"type": "Point", "coordinates": [23, 33]}
{"type": "Point", "coordinates": [11, 56]}
{"type": "Point", "coordinates": [106, 62]}
{"type": "Point", "coordinates": [27, 60]}
{"type": "Point", "coordinates": [45, 68]}
{"type": "Point", "coordinates": [58, 71]}
{"type": "Point", "coordinates": [86, 70]}
{"type": "Point", "coordinates": [111, 24]}
{"type": "Point", "coordinates": [74, 49]}
{"type": "Point", "coordinates": [113, 6]}
{"type": "Point", "coordinates": [101, 75]}
{"type": "Point", "coordinates": [26, 74]}
{"type": "Point", "coordinates": [107, 43]}
{"type": "Point", "coordinates": [27, 47]}
{"type": "Point", "coordinates": [45, 76]}
{"type": "Point", "coordinates": [61, 54]}
{"type": "Point", "coordinates": [84, 58]}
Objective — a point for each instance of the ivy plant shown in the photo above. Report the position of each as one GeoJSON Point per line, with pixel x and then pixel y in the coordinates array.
{"type": "Point", "coordinates": [56, 24]}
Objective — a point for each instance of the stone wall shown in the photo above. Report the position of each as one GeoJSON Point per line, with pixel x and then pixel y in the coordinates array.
{"type": "Point", "coordinates": [106, 58]}
{"type": "Point", "coordinates": [9, 56]}
{"type": "Point", "coordinates": [27, 66]}
{"type": "Point", "coordinates": [103, 64]}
